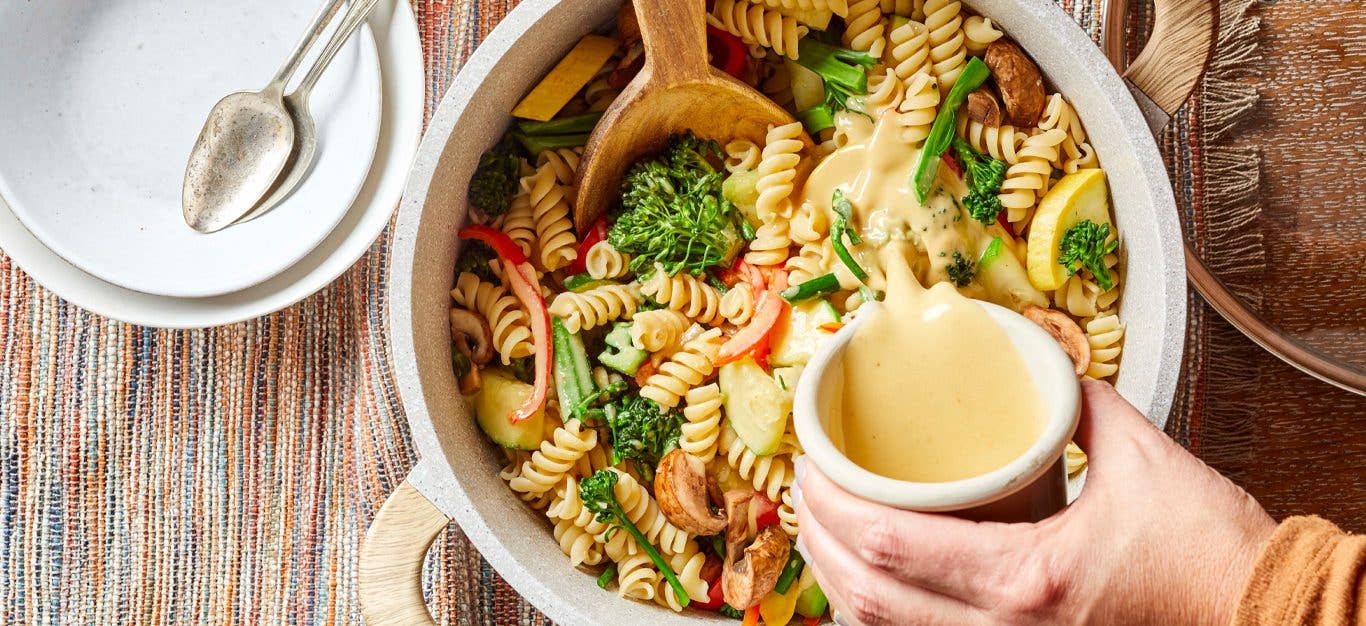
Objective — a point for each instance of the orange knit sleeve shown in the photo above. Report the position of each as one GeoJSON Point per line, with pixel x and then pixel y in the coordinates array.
{"type": "Point", "coordinates": [1310, 572]}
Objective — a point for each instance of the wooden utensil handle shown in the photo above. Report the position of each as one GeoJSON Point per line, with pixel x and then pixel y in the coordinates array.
{"type": "Point", "coordinates": [391, 558]}
{"type": "Point", "coordinates": [675, 38]}
{"type": "Point", "coordinates": [1170, 66]}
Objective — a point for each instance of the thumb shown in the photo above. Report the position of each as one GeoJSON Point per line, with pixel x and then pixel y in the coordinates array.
{"type": "Point", "coordinates": [1110, 427]}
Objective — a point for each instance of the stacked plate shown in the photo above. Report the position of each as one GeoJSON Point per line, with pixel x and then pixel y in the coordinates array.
{"type": "Point", "coordinates": [101, 107]}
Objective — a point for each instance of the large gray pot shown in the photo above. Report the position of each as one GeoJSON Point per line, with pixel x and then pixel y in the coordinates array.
{"type": "Point", "coordinates": [457, 476]}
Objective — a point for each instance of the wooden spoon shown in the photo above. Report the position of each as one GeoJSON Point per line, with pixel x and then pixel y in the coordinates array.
{"type": "Point", "coordinates": [677, 90]}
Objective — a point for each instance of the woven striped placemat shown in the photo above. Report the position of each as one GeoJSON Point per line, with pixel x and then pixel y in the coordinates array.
{"type": "Point", "coordinates": [227, 475]}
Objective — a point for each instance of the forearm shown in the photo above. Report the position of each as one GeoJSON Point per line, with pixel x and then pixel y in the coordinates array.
{"type": "Point", "coordinates": [1309, 572]}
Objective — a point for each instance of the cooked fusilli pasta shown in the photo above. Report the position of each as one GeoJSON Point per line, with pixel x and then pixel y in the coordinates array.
{"type": "Point", "coordinates": [979, 33]}
{"type": "Point", "coordinates": [564, 162]}
{"type": "Point", "coordinates": [703, 428]}
{"type": "Point", "coordinates": [518, 223]}
{"type": "Point", "coordinates": [865, 26]}
{"type": "Point", "coordinates": [742, 155]}
{"type": "Point", "coordinates": [811, 260]}
{"type": "Point", "coordinates": [577, 544]}
{"type": "Point", "coordinates": [687, 566]}
{"type": "Point", "coordinates": [770, 244]}
{"type": "Point", "coordinates": [604, 262]}
{"type": "Point", "coordinates": [908, 49]}
{"type": "Point", "coordinates": [1001, 142]}
{"type": "Point", "coordinates": [884, 92]}
{"type": "Point", "coordinates": [787, 514]}
{"type": "Point", "coordinates": [1075, 153]}
{"type": "Point", "coordinates": [660, 330]}
{"type": "Point", "coordinates": [684, 293]}
{"type": "Point", "coordinates": [1105, 333]}
{"type": "Point", "coordinates": [642, 510]}
{"type": "Point", "coordinates": [768, 474]}
{"type": "Point", "coordinates": [947, 51]}
{"type": "Point", "coordinates": [1028, 179]}
{"type": "Point", "coordinates": [917, 110]}
{"type": "Point", "coordinates": [737, 305]}
{"type": "Point", "coordinates": [684, 369]}
{"type": "Point", "coordinates": [636, 577]}
{"type": "Point", "coordinates": [778, 171]}
{"type": "Point", "coordinates": [809, 224]}
{"type": "Point", "coordinates": [511, 330]}
{"type": "Point", "coordinates": [555, 459]}
{"type": "Point", "coordinates": [597, 306]}
{"type": "Point", "coordinates": [838, 7]}
{"type": "Point", "coordinates": [556, 246]}
{"type": "Point", "coordinates": [756, 24]}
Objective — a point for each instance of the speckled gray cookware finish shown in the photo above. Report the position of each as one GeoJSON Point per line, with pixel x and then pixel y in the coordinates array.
{"type": "Point", "coordinates": [458, 469]}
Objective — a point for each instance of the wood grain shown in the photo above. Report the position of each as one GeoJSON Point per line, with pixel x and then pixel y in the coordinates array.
{"type": "Point", "coordinates": [1178, 50]}
{"type": "Point", "coordinates": [1302, 449]}
{"type": "Point", "coordinates": [390, 568]}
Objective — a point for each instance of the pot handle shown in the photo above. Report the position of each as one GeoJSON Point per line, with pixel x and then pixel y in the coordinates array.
{"type": "Point", "coordinates": [1170, 66]}
{"type": "Point", "coordinates": [390, 568]}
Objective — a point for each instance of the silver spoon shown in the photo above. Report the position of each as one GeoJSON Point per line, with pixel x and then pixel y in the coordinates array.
{"type": "Point", "coordinates": [305, 135]}
{"type": "Point", "coordinates": [244, 145]}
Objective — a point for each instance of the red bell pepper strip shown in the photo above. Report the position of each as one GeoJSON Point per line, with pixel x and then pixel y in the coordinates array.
{"type": "Point", "coordinates": [812, 621]}
{"type": "Point", "coordinates": [596, 233]}
{"type": "Point", "coordinates": [950, 161]}
{"type": "Point", "coordinates": [831, 327]}
{"type": "Point", "coordinates": [728, 53]}
{"type": "Point", "coordinates": [766, 314]}
{"type": "Point", "coordinates": [523, 279]}
{"type": "Point", "coordinates": [765, 512]}
{"type": "Point", "coordinates": [751, 616]}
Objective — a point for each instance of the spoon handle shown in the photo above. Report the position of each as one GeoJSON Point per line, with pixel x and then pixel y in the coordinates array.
{"type": "Point", "coordinates": [355, 17]}
{"type": "Point", "coordinates": [315, 30]}
{"type": "Point", "coordinates": [675, 38]}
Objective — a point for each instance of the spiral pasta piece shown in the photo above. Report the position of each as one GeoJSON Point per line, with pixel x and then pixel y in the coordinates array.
{"type": "Point", "coordinates": [918, 109]}
{"type": "Point", "coordinates": [778, 170]}
{"type": "Point", "coordinates": [742, 155]}
{"type": "Point", "coordinates": [812, 260]}
{"type": "Point", "coordinates": [948, 54]}
{"type": "Point", "coordinates": [702, 430]}
{"type": "Point", "coordinates": [660, 330]}
{"type": "Point", "coordinates": [769, 474]}
{"type": "Point", "coordinates": [884, 93]}
{"type": "Point", "coordinates": [771, 243]}
{"type": "Point", "coordinates": [1105, 333]}
{"type": "Point", "coordinates": [684, 293]}
{"type": "Point", "coordinates": [597, 306]}
{"type": "Point", "coordinates": [754, 23]}
{"type": "Point", "coordinates": [1081, 296]}
{"type": "Point", "coordinates": [864, 27]}
{"type": "Point", "coordinates": [837, 7]}
{"type": "Point", "coordinates": [687, 566]}
{"type": "Point", "coordinates": [684, 370]}
{"type": "Point", "coordinates": [637, 578]}
{"type": "Point", "coordinates": [1075, 152]}
{"type": "Point", "coordinates": [979, 33]}
{"type": "Point", "coordinates": [809, 225]}
{"type": "Point", "coordinates": [900, 7]}
{"type": "Point", "coordinates": [908, 49]}
{"type": "Point", "coordinates": [644, 512]}
{"type": "Point", "coordinates": [1001, 142]}
{"type": "Point", "coordinates": [563, 161]}
{"type": "Point", "coordinates": [555, 459]}
{"type": "Point", "coordinates": [787, 514]}
{"type": "Point", "coordinates": [518, 223]}
{"type": "Point", "coordinates": [508, 323]}
{"type": "Point", "coordinates": [556, 246]}
{"type": "Point", "coordinates": [1027, 180]}
{"type": "Point", "coordinates": [737, 305]}
{"type": "Point", "coordinates": [577, 544]}
{"type": "Point", "coordinates": [567, 505]}
{"type": "Point", "coordinates": [598, 458]}
{"type": "Point", "coordinates": [1075, 459]}
{"type": "Point", "coordinates": [603, 262]}
{"type": "Point", "coordinates": [516, 458]}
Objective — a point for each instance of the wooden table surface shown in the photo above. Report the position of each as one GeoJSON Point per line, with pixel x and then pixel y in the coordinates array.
{"type": "Point", "coordinates": [1301, 449]}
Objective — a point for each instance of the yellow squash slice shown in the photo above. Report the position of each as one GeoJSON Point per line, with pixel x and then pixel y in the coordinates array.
{"type": "Point", "coordinates": [1077, 197]}
{"type": "Point", "coordinates": [566, 79]}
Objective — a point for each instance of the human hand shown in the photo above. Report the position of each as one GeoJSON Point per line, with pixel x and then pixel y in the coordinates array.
{"type": "Point", "coordinates": [1156, 537]}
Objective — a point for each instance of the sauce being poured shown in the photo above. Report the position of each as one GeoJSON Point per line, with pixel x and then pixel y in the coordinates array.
{"type": "Point", "coordinates": [934, 390]}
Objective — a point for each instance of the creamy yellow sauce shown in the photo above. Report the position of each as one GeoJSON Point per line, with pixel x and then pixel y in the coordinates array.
{"type": "Point", "coordinates": [934, 390]}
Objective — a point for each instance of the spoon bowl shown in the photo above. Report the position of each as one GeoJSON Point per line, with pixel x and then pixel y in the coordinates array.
{"type": "Point", "coordinates": [242, 149]}
{"type": "Point", "coordinates": [1029, 488]}
{"type": "Point", "coordinates": [677, 90]}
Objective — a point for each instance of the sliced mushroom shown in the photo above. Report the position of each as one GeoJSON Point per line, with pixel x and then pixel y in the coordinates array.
{"type": "Point", "coordinates": [737, 522]}
{"type": "Point", "coordinates": [746, 581]}
{"type": "Point", "coordinates": [627, 26]}
{"type": "Point", "coordinates": [681, 490]}
{"type": "Point", "coordinates": [471, 336]}
{"type": "Point", "coordinates": [1019, 82]}
{"type": "Point", "coordinates": [1065, 332]}
{"type": "Point", "coordinates": [983, 108]}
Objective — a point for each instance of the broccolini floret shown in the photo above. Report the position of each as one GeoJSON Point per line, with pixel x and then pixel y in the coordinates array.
{"type": "Point", "coordinates": [495, 180]}
{"type": "Point", "coordinates": [642, 432]}
{"type": "Point", "coordinates": [961, 270]}
{"type": "Point", "coordinates": [1084, 246]}
{"type": "Point", "coordinates": [474, 258]}
{"type": "Point", "coordinates": [843, 72]}
{"type": "Point", "coordinates": [598, 493]}
{"type": "Point", "coordinates": [674, 212]}
{"type": "Point", "coordinates": [984, 176]}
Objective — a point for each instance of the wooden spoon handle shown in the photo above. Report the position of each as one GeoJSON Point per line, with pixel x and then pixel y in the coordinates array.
{"type": "Point", "coordinates": [674, 34]}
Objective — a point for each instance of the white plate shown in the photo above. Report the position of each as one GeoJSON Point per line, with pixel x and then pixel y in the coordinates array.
{"type": "Point", "coordinates": [400, 55]}
{"type": "Point", "coordinates": [110, 97]}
